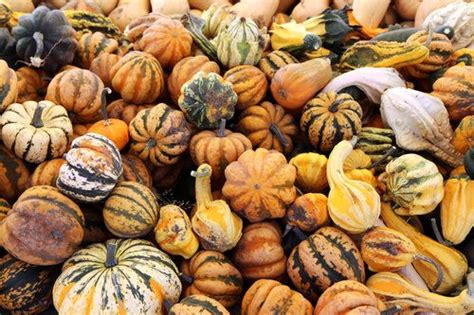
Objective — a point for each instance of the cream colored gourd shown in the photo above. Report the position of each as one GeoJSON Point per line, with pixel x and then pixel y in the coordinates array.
{"type": "Point", "coordinates": [175, 7]}
{"type": "Point", "coordinates": [370, 13]}
{"type": "Point", "coordinates": [420, 122]}
{"type": "Point", "coordinates": [353, 205]}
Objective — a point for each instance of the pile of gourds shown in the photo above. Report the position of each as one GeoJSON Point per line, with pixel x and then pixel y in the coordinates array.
{"type": "Point", "coordinates": [259, 157]}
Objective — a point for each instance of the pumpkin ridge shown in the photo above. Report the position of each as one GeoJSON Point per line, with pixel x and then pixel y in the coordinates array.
{"type": "Point", "coordinates": [139, 192]}
{"type": "Point", "coordinates": [306, 278]}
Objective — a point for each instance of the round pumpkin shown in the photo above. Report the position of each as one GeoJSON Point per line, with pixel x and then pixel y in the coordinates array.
{"type": "Point", "coordinates": [93, 168]}
{"type": "Point", "coordinates": [326, 257]}
{"type": "Point", "coordinates": [249, 83]}
{"type": "Point", "coordinates": [273, 61]}
{"type": "Point", "coordinates": [309, 212]}
{"type": "Point", "coordinates": [266, 296]}
{"type": "Point", "coordinates": [36, 131]}
{"type": "Point", "coordinates": [463, 138]}
{"type": "Point", "coordinates": [135, 29]}
{"type": "Point", "coordinates": [131, 210]}
{"type": "Point", "coordinates": [79, 91]}
{"type": "Point", "coordinates": [4, 208]}
{"type": "Point", "coordinates": [310, 171]}
{"type": "Point", "coordinates": [198, 304]}
{"type": "Point", "coordinates": [95, 230]}
{"type": "Point", "coordinates": [138, 78]}
{"type": "Point", "coordinates": [159, 135]}
{"type": "Point", "coordinates": [331, 118]}
{"type": "Point", "coordinates": [130, 276]}
{"type": "Point", "coordinates": [31, 86]}
{"type": "Point", "coordinates": [259, 253]}
{"type": "Point", "coordinates": [44, 227]}
{"type": "Point", "coordinates": [47, 173]}
{"type": "Point", "coordinates": [167, 40]}
{"type": "Point", "coordinates": [25, 288]}
{"type": "Point", "coordinates": [212, 274]}
{"type": "Point", "coordinates": [268, 126]}
{"type": "Point", "coordinates": [102, 64]}
{"type": "Point", "coordinates": [92, 45]}
{"type": "Point", "coordinates": [125, 111]}
{"type": "Point", "coordinates": [8, 85]}
{"type": "Point", "coordinates": [13, 175]}
{"type": "Point", "coordinates": [260, 185]}
{"type": "Point", "coordinates": [134, 170]}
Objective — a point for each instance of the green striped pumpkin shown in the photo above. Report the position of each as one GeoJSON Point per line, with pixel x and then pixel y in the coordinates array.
{"type": "Point", "coordinates": [8, 83]}
{"type": "Point", "coordinates": [25, 288]}
{"type": "Point", "coordinates": [198, 304]}
{"type": "Point", "coordinates": [131, 210]}
{"type": "Point", "coordinates": [275, 60]}
{"type": "Point", "coordinates": [375, 142]}
{"type": "Point", "coordinates": [117, 277]}
{"type": "Point", "coordinates": [326, 257]}
{"type": "Point", "coordinates": [92, 45]}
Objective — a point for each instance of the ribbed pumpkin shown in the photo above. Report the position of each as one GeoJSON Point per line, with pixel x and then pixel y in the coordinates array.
{"type": "Point", "coordinates": [273, 61]}
{"type": "Point", "coordinates": [269, 297]}
{"type": "Point", "coordinates": [4, 208]}
{"type": "Point", "coordinates": [138, 78]}
{"type": "Point", "coordinates": [31, 85]}
{"type": "Point", "coordinates": [79, 91]}
{"type": "Point", "coordinates": [198, 304]}
{"type": "Point", "coordinates": [212, 274]}
{"type": "Point", "coordinates": [47, 173]}
{"type": "Point", "coordinates": [326, 257]}
{"type": "Point", "coordinates": [25, 288]}
{"type": "Point", "coordinates": [30, 233]}
{"type": "Point", "coordinates": [330, 118]}
{"type": "Point", "coordinates": [8, 85]}
{"type": "Point", "coordinates": [167, 40]}
{"type": "Point", "coordinates": [310, 171]}
{"type": "Point", "coordinates": [125, 111]}
{"type": "Point", "coordinates": [218, 148]}
{"type": "Point", "coordinates": [13, 175]}
{"type": "Point", "coordinates": [131, 210]}
{"type": "Point", "coordinates": [145, 277]}
{"type": "Point", "coordinates": [268, 126]}
{"type": "Point", "coordinates": [91, 45]}
{"type": "Point", "coordinates": [159, 135]}
{"type": "Point", "coordinates": [260, 184]}
{"type": "Point", "coordinates": [102, 64]}
{"type": "Point", "coordinates": [216, 17]}
{"type": "Point", "coordinates": [309, 212]}
{"type": "Point", "coordinates": [92, 170]}
{"type": "Point", "coordinates": [259, 253]}
{"type": "Point", "coordinates": [249, 83]}
{"type": "Point", "coordinates": [135, 170]}
{"type": "Point", "coordinates": [456, 90]}
{"type": "Point", "coordinates": [463, 138]}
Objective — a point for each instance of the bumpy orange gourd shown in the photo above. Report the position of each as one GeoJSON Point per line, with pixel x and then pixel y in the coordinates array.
{"type": "Point", "coordinates": [309, 212]}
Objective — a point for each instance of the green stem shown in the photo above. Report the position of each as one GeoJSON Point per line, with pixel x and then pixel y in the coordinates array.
{"type": "Point", "coordinates": [37, 122]}
{"type": "Point", "coordinates": [103, 107]}
{"type": "Point", "coordinates": [221, 130]}
{"type": "Point", "coordinates": [111, 259]}
{"type": "Point", "coordinates": [437, 233]}
{"type": "Point", "coordinates": [384, 157]}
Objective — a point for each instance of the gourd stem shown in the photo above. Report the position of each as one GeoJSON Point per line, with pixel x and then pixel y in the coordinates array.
{"type": "Point", "coordinates": [111, 259]}
{"type": "Point", "coordinates": [37, 122]}
{"type": "Point", "coordinates": [203, 185]}
{"type": "Point", "coordinates": [103, 107]}
{"type": "Point", "coordinates": [390, 311]}
{"type": "Point", "coordinates": [221, 130]}
{"type": "Point", "coordinates": [185, 278]}
{"type": "Point", "coordinates": [440, 272]}
{"type": "Point", "coordinates": [287, 230]}
{"type": "Point", "coordinates": [333, 107]}
{"type": "Point", "coordinates": [437, 233]}
{"type": "Point", "coordinates": [39, 40]}
{"type": "Point", "coordinates": [354, 140]}
{"type": "Point", "coordinates": [384, 157]}
{"type": "Point", "coordinates": [274, 129]}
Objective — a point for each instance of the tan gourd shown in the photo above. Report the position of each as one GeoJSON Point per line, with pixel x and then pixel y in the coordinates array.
{"type": "Point", "coordinates": [308, 8]}
{"type": "Point", "coordinates": [106, 5]}
{"type": "Point", "coordinates": [370, 13]}
{"type": "Point", "coordinates": [127, 11]}
{"type": "Point", "coordinates": [175, 7]}
{"type": "Point", "coordinates": [406, 9]}
{"type": "Point", "coordinates": [428, 6]}
{"type": "Point", "coordinates": [205, 4]}
{"type": "Point", "coordinates": [261, 13]}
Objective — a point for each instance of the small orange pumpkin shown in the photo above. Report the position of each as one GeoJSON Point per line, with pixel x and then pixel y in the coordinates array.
{"type": "Point", "coordinates": [309, 212]}
{"type": "Point", "coordinates": [249, 83]}
{"type": "Point", "coordinates": [47, 173]}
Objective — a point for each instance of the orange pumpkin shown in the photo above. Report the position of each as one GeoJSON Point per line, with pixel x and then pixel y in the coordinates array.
{"type": "Point", "coordinates": [92, 45]}
{"type": "Point", "coordinates": [125, 111]}
{"type": "Point", "coordinates": [31, 86]}
{"type": "Point", "coordinates": [102, 64]}
{"type": "Point", "coordinates": [249, 83]}
{"type": "Point", "coordinates": [309, 212]}
{"type": "Point", "coordinates": [47, 173]}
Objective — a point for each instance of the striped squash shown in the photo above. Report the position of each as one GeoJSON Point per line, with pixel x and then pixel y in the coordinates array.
{"type": "Point", "coordinates": [13, 175]}
{"type": "Point", "coordinates": [93, 168]}
{"type": "Point", "coordinates": [249, 83]}
{"type": "Point", "coordinates": [8, 86]}
{"type": "Point", "coordinates": [44, 227]}
{"type": "Point", "coordinates": [138, 69]}
{"type": "Point", "coordinates": [375, 142]}
{"type": "Point", "coordinates": [275, 60]}
{"type": "Point", "coordinates": [25, 288]}
{"type": "Point", "coordinates": [213, 275]}
{"type": "Point", "coordinates": [198, 304]}
{"type": "Point", "coordinates": [118, 277]}
{"type": "Point", "coordinates": [134, 170]}
{"type": "Point", "coordinates": [88, 22]}
{"type": "Point", "coordinates": [131, 210]}
{"type": "Point", "coordinates": [92, 45]}
{"type": "Point", "coordinates": [79, 91]}
{"type": "Point", "coordinates": [101, 66]}
{"type": "Point", "coordinates": [47, 173]}
{"type": "Point", "coordinates": [125, 111]}
{"type": "Point", "coordinates": [326, 257]}
{"type": "Point", "coordinates": [4, 208]}
{"type": "Point", "coordinates": [330, 118]}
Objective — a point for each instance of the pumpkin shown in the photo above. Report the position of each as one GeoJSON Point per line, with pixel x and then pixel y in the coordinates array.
{"type": "Point", "coordinates": [79, 91]}
{"type": "Point", "coordinates": [91, 45]}
{"type": "Point", "coordinates": [45, 39]}
{"type": "Point", "coordinates": [212, 274]}
{"type": "Point", "coordinates": [216, 17]}
{"type": "Point", "coordinates": [273, 61]}
{"type": "Point", "coordinates": [125, 111]}
{"type": "Point", "coordinates": [145, 277]}
{"type": "Point", "coordinates": [310, 171]}
{"type": "Point", "coordinates": [249, 83]}
{"type": "Point", "coordinates": [13, 175]}
{"type": "Point", "coordinates": [218, 148]}
{"type": "Point", "coordinates": [185, 69]}
{"type": "Point", "coordinates": [79, 130]}
{"type": "Point", "coordinates": [217, 227]}
{"type": "Point", "coordinates": [259, 253]}
{"type": "Point", "coordinates": [135, 170]}
{"type": "Point", "coordinates": [128, 10]}
{"type": "Point", "coordinates": [206, 99]}
{"type": "Point", "coordinates": [260, 184]}
{"type": "Point", "coordinates": [295, 84]}
{"type": "Point", "coordinates": [95, 230]}
{"type": "Point", "coordinates": [29, 233]}
{"type": "Point", "coordinates": [25, 288]}
{"type": "Point", "coordinates": [267, 296]}
{"type": "Point", "coordinates": [326, 257]}
{"type": "Point", "coordinates": [454, 88]}
{"type": "Point", "coordinates": [159, 135]}
{"type": "Point", "coordinates": [92, 170]}
{"type": "Point", "coordinates": [4, 208]}
{"type": "Point", "coordinates": [31, 86]}
{"type": "Point", "coordinates": [198, 304]}
{"type": "Point", "coordinates": [138, 69]}
{"type": "Point", "coordinates": [174, 233]}
{"type": "Point", "coordinates": [167, 40]}
{"type": "Point", "coordinates": [135, 29]}
{"type": "Point", "coordinates": [268, 126]}
{"type": "Point", "coordinates": [309, 212]}
{"type": "Point", "coordinates": [102, 64]}
{"type": "Point", "coordinates": [347, 297]}
{"type": "Point", "coordinates": [8, 84]}
{"type": "Point", "coordinates": [47, 172]}
{"type": "Point", "coordinates": [463, 138]}
{"type": "Point", "coordinates": [7, 47]}
{"type": "Point", "coordinates": [331, 118]}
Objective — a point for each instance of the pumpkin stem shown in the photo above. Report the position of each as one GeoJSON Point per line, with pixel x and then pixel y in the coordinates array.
{"type": "Point", "coordinates": [39, 40]}
{"type": "Point", "coordinates": [111, 259]}
{"type": "Point", "coordinates": [274, 129]}
{"type": "Point", "coordinates": [437, 267]}
{"type": "Point", "coordinates": [221, 130]}
{"type": "Point", "coordinates": [438, 235]}
{"type": "Point", "coordinates": [203, 185]}
{"type": "Point", "coordinates": [37, 122]}
{"type": "Point", "coordinates": [390, 311]}
{"type": "Point", "coordinates": [103, 107]}
{"type": "Point", "coordinates": [185, 278]}
{"type": "Point", "coordinates": [384, 157]}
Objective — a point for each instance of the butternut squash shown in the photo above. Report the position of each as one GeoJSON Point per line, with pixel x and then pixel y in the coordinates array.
{"type": "Point", "coordinates": [262, 14]}
{"type": "Point", "coordinates": [370, 13]}
{"type": "Point", "coordinates": [127, 11]}
{"type": "Point", "coordinates": [309, 8]}
{"type": "Point", "coordinates": [175, 7]}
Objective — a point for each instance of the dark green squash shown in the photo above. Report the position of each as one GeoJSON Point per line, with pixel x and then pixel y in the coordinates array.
{"type": "Point", "coordinates": [7, 47]}
{"type": "Point", "coordinates": [469, 162]}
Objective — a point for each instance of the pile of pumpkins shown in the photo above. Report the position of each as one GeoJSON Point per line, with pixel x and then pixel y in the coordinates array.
{"type": "Point", "coordinates": [258, 157]}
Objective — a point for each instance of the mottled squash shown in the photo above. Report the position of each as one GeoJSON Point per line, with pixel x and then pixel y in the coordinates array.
{"type": "Point", "coordinates": [249, 83]}
{"type": "Point", "coordinates": [198, 304]}
{"type": "Point", "coordinates": [47, 173]}
{"type": "Point", "coordinates": [310, 171]}
{"type": "Point", "coordinates": [13, 175]}
{"type": "Point", "coordinates": [91, 45]}
{"type": "Point", "coordinates": [463, 138]}
{"type": "Point", "coordinates": [309, 212]}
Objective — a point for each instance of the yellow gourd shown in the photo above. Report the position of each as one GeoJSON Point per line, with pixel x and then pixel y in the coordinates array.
{"type": "Point", "coordinates": [356, 166]}
{"type": "Point", "coordinates": [310, 171]}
